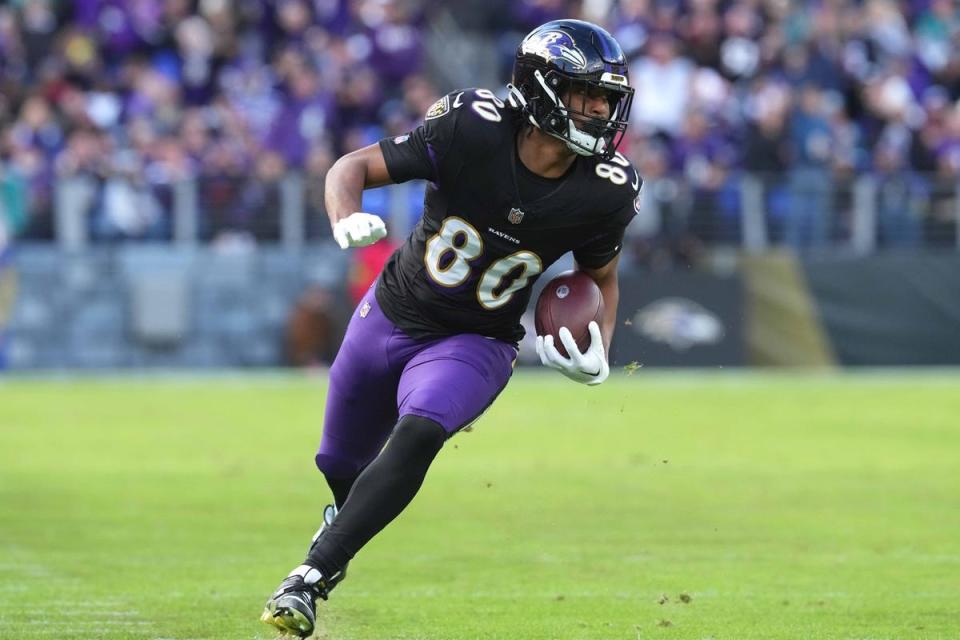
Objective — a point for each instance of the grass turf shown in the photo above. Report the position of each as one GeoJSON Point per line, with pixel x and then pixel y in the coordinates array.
{"type": "Point", "coordinates": [729, 506]}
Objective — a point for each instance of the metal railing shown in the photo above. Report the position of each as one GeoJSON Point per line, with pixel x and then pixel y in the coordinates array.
{"type": "Point", "coordinates": [862, 214]}
{"type": "Point", "coordinates": [199, 210]}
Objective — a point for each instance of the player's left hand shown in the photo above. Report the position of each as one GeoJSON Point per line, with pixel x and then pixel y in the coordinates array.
{"type": "Point", "coordinates": [589, 367]}
{"type": "Point", "coordinates": [358, 230]}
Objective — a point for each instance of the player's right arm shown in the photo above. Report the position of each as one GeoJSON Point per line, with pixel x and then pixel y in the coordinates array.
{"type": "Point", "coordinates": [358, 170]}
{"type": "Point", "coordinates": [420, 154]}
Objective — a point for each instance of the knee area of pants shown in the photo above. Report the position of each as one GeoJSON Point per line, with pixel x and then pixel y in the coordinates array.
{"type": "Point", "coordinates": [419, 433]}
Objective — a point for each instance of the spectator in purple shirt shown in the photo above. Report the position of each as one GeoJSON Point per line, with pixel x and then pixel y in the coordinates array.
{"type": "Point", "coordinates": [704, 157]}
{"type": "Point", "coordinates": [397, 44]}
{"type": "Point", "coordinates": [305, 118]}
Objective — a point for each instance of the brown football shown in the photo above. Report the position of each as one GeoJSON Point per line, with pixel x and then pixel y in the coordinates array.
{"type": "Point", "coordinates": [570, 300]}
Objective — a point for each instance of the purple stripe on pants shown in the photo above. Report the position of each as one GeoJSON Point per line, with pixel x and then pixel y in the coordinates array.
{"type": "Point", "coordinates": [381, 374]}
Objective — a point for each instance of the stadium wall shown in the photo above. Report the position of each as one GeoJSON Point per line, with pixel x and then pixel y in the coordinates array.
{"type": "Point", "coordinates": [889, 309]}
{"type": "Point", "coordinates": [158, 306]}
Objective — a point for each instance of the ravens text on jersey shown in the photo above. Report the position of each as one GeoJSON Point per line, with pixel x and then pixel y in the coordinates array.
{"type": "Point", "coordinates": [490, 226]}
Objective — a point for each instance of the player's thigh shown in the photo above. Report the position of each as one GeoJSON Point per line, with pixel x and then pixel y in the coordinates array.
{"type": "Point", "coordinates": [360, 409]}
{"type": "Point", "coordinates": [454, 380]}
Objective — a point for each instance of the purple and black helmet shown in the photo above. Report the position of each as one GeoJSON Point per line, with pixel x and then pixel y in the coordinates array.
{"type": "Point", "coordinates": [554, 59]}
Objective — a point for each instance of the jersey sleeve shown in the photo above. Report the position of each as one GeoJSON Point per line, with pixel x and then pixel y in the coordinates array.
{"type": "Point", "coordinates": [454, 121]}
{"type": "Point", "coordinates": [603, 246]}
{"type": "Point", "coordinates": [423, 153]}
{"type": "Point", "coordinates": [408, 156]}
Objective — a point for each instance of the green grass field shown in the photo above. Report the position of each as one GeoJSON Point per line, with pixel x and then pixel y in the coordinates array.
{"type": "Point", "coordinates": [658, 506]}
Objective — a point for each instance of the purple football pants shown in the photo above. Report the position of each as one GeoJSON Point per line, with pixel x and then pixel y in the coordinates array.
{"type": "Point", "coordinates": [381, 374]}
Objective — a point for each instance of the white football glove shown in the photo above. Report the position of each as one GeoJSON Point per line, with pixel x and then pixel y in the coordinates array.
{"type": "Point", "coordinates": [358, 230]}
{"type": "Point", "coordinates": [589, 367]}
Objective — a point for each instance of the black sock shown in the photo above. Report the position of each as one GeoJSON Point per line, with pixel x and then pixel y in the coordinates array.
{"type": "Point", "coordinates": [381, 492]}
{"type": "Point", "coordinates": [340, 487]}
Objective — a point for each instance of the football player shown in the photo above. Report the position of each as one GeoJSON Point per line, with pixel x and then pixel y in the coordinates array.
{"type": "Point", "coordinates": [512, 187]}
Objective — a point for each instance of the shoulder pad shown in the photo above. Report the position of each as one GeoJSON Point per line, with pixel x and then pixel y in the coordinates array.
{"type": "Point", "coordinates": [615, 186]}
{"type": "Point", "coordinates": [478, 116]}
{"type": "Point", "coordinates": [616, 175]}
{"type": "Point", "coordinates": [482, 103]}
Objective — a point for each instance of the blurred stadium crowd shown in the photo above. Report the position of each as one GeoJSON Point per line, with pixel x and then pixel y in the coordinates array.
{"type": "Point", "coordinates": [804, 95]}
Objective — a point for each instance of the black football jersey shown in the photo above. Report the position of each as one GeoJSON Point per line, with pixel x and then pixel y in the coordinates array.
{"type": "Point", "coordinates": [490, 226]}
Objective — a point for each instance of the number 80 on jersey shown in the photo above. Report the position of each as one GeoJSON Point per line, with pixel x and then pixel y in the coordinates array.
{"type": "Point", "coordinates": [448, 255]}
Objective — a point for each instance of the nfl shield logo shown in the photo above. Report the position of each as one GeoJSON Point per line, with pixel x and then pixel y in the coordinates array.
{"type": "Point", "coordinates": [515, 216]}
